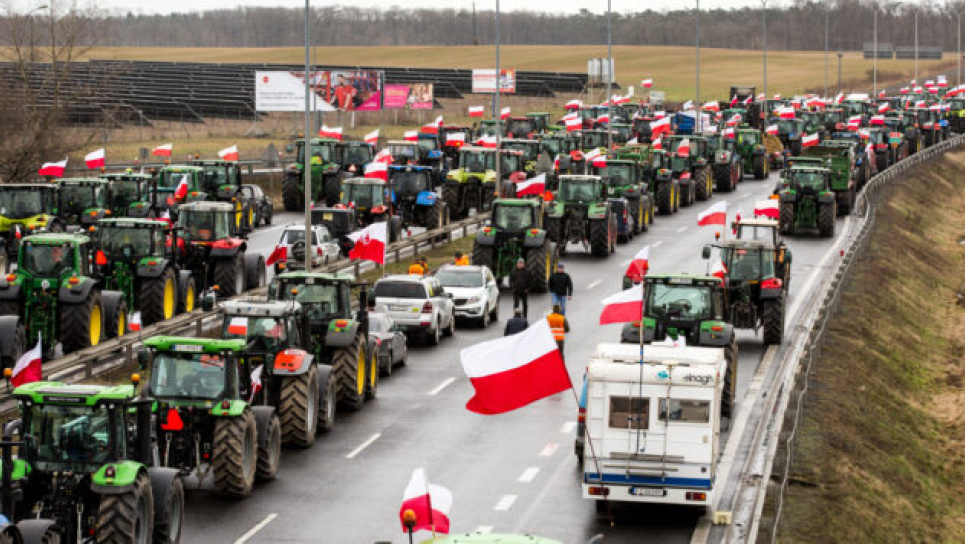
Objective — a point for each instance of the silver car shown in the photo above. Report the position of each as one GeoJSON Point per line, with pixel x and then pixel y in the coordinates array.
{"type": "Point", "coordinates": [389, 342]}
{"type": "Point", "coordinates": [474, 290]}
{"type": "Point", "coordinates": [416, 304]}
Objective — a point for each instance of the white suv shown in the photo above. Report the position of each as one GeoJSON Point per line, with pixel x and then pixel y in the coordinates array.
{"type": "Point", "coordinates": [416, 303]}
{"type": "Point", "coordinates": [474, 292]}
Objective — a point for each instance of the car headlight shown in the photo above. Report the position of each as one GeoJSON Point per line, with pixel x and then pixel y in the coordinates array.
{"type": "Point", "coordinates": [473, 299]}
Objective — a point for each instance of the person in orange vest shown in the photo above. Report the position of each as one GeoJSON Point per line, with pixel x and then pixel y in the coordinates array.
{"type": "Point", "coordinates": [461, 259]}
{"type": "Point", "coordinates": [418, 267]}
{"type": "Point", "coordinates": [559, 326]}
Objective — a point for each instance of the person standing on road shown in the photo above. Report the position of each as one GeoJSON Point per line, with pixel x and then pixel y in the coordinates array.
{"type": "Point", "coordinates": [561, 288]}
{"type": "Point", "coordinates": [516, 324]}
{"type": "Point", "coordinates": [559, 326]}
{"type": "Point", "coordinates": [520, 284]}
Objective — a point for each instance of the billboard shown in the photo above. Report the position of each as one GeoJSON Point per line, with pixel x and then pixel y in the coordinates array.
{"type": "Point", "coordinates": [346, 90]}
{"type": "Point", "coordinates": [484, 81]}
{"type": "Point", "coordinates": [409, 96]}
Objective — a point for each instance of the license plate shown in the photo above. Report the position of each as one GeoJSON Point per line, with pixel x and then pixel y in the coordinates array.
{"type": "Point", "coordinates": [398, 307]}
{"type": "Point", "coordinates": [647, 492]}
{"type": "Point", "coordinates": [326, 217]}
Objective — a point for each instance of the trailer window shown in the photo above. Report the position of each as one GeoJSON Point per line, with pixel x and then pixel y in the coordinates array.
{"type": "Point", "coordinates": [630, 413]}
{"type": "Point", "coordinates": [685, 411]}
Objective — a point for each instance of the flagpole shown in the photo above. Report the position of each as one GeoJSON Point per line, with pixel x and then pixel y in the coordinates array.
{"type": "Point", "coordinates": [498, 113]}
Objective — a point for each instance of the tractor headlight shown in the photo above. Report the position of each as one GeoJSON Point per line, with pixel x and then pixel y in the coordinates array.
{"type": "Point", "coordinates": [45, 285]}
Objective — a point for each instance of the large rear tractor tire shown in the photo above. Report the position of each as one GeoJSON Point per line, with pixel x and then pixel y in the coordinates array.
{"type": "Point", "coordinates": [772, 319]}
{"type": "Point", "coordinates": [704, 184]}
{"type": "Point", "coordinates": [332, 188]}
{"type": "Point", "coordinates": [759, 162]}
{"type": "Point", "coordinates": [349, 370]}
{"type": "Point", "coordinates": [554, 229]}
{"type": "Point", "coordinates": [639, 216]}
{"type": "Point", "coordinates": [299, 408]}
{"type": "Point", "coordinates": [269, 442]}
{"type": "Point", "coordinates": [158, 298]}
{"type": "Point", "coordinates": [39, 531]}
{"type": "Point", "coordinates": [115, 314]}
{"type": "Point", "coordinates": [187, 296]}
{"type": "Point", "coordinates": [372, 374]}
{"type": "Point", "coordinates": [600, 237]}
{"type": "Point", "coordinates": [665, 198]}
{"type": "Point", "coordinates": [229, 275]}
{"type": "Point", "coordinates": [127, 516]}
{"type": "Point", "coordinates": [292, 195]}
{"type": "Point", "coordinates": [539, 265]}
{"type": "Point", "coordinates": [167, 490]}
{"type": "Point", "coordinates": [254, 271]}
{"type": "Point", "coordinates": [235, 456]}
{"type": "Point", "coordinates": [484, 256]}
{"type": "Point", "coordinates": [454, 199]}
{"type": "Point", "coordinates": [82, 324]}
{"type": "Point", "coordinates": [826, 218]}
{"type": "Point", "coordinates": [786, 218]}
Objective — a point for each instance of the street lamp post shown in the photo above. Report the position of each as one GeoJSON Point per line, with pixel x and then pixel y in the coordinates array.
{"type": "Point", "coordinates": [699, 121]}
{"type": "Point", "coordinates": [874, 61]}
{"type": "Point", "coordinates": [30, 15]}
{"type": "Point", "coordinates": [827, 11]}
{"type": "Point", "coordinates": [499, 114]}
{"type": "Point", "coordinates": [764, 44]}
{"type": "Point", "coordinates": [609, 78]}
{"type": "Point", "coordinates": [307, 162]}
{"type": "Point", "coordinates": [840, 54]}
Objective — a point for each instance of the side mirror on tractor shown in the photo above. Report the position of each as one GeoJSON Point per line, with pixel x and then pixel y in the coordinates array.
{"type": "Point", "coordinates": [143, 359]}
{"type": "Point", "coordinates": [705, 253]}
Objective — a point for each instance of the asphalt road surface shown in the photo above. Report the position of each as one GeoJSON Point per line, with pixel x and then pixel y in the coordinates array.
{"type": "Point", "coordinates": [511, 473]}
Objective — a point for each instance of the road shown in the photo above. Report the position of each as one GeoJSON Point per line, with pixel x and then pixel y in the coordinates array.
{"type": "Point", "coordinates": [509, 473]}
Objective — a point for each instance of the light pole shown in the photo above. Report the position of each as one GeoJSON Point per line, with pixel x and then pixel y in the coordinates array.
{"type": "Point", "coordinates": [609, 78]}
{"type": "Point", "coordinates": [840, 54]}
{"type": "Point", "coordinates": [916, 47]}
{"type": "Point", "coordinates": [699, 124]}
{"type": "Point", "coordinates": [959, 14]}
{"type": "Point", "coordinates": [764, 44]}
{"type": "Point", "coordinates": [827, 11]}
{"type": "Point", "coordinates": [307, 161]}
{"type": "Point", "coordinates": [499, 113]}
{"type": "Point", "coordinates": [30, 15]}
{"type": "Point", "coordinates": [874, 61]}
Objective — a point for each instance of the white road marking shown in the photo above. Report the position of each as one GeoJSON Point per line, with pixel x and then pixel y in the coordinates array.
{"type": "Point", "coordinates": [568, 427]}
{"type": "Point", "coordinates": [594, 283]}
{"type": "Point", "coordinates": [681, 229]}
{"type": "Point", "coordinates": [655, 244]}
{"type": "Point", "coordinates": [806, 289]}
{"type": "Point", "coordinates": [528, 475]}
{"type": "Point", "coordinates": [550, 449]}
{"type": "Point", "coordinates": [484, 529]}
{"type": "Point", "coordinates": [364, 445]}
{"type": "Point", "coordinates": [505, 503]}
{"type": "Point", "coordinates": [442, 386]}
{"type": "Point", "coordinates": [251, 532]}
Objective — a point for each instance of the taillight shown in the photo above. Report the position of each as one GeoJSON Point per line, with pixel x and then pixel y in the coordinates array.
{"type": "Point", "coordinates": [341, 323]}
{"type": "Point", "coordinates": [772, 283]}
{"type": "Point", "coordinates": [717, 328]}
{"type": "Point", "coordinates": [74, 280]}
{"type": "Point", "coordinates": [427, 308]}
{"type": "Point", "coordinates": [600, 491]}
{"type": "Point", "coordinates": [100, 258]}
{"type": "Point", "coordinates": [11, 278]}
{"type": "Point", "coordinates": [696, 496]}
{"type": "Point", "coordinates": [581, 416]}
{"type": "Point", "coordinates": [110, 472]}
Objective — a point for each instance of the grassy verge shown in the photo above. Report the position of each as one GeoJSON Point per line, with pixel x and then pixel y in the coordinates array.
{"type": "Point", "coordinates": [880, 455]}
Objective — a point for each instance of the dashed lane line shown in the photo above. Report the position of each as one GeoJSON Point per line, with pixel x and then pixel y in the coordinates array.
{"type": "Point", "coordinates": [568, 427]}
{"type": "Point", "coordinates": [254, 530]}
{"type": "Point", "coordinates": [505, 503]}
{"type": "Point", "coordinates": [528, 475]}
{"type": "Point", "coordinates": [549, 450]}
{"type": "Point", "coordinates": [364, 445]}
{"type": "Point", "coordinates": [594, 283]}
{"type": "Point", "coordinates": [442, 386]}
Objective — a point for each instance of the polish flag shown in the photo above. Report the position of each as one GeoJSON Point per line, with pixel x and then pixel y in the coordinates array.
{"type": "Point", "coordinates": [430, 503]}
{"type": "Point", "coordinates": [411, 136]}
{"type": "Point", "coordinates": [777, 96]}
{"type": "Point", "coordinates": [456, 138]}
{"type": "Point", "coordinates": [657, 144]}
{"type": "Point", "coordinates": [535, 186]}
{"type": "Point", "coordinates": [718, 270]}
{"type": "Point", "coordinates": [785, 113]}
{"type": "Point", "coordinates": [330, 132]}
{"type": "Point", "coordinates": [29, 367]}
{"type": "Point", "coordinates": [648, 83]}
{"type": "Point", "coordinates": [639, 265]}
{"type": "Point", "coordinates": [711, 106]}
{"type": "Point", "coordinates": [488, 140]}
{"type": "Point", "coordinates": [573, 124]}
{"type": "Point", "coordinates": [877, 120]}
{"type": "Point", "coordinates": [660, 114]}
{"type": "Point", "coordinates": [767, 208]}
{"type": "Point", "coordinates": [838, 99]}
{"type": "Point", "coordinates": [573, 105]}
{"type": "Point", "coordinates": [854, 122]}
{"type": "Point", "coordinates": [903, 90]}
{"type": "Point", "coordinates": [599, 162]}
{"type": "Point", "coordinates": [623, 307]}
{"type": "Point", "coordinates": [504, 113]}
{"type": "Point", "coordinates": [166, 216]}
{"type": "Point", "coordinates": [162, 150]}
{"type": "Point", "coordinates": [55, 169]}
{"type": "Point", "coordinates": [134, 325]}
{"type": "Point", "coordinates": [279, 254]}
{"type": "Point", "coordinates": [942, 81]}
{"type": "Point", "coordinates": [379, 170]}
{"type": "Point", "coordinates": [633, 141]}
{"type": "Point", "coordinates": [882, 94]}
{"type": "Point", "coordinates": [430, 128]}
{"type": "Point", "coordinates": [370, 243]}
{"type": "Point", "coordinates": [771, 129]}
{"type": "Point", "coordinates": [714, 215]}
{"type": "Point", "coordinates": [809, 140]}
{"type": "Point", "coordinates": [605, 118]}
{"type": "Point", "coordinates": [661, 126]}
{"type": "Point", "coordinates": [760, 96]}
{"type": "Point", "coordinates": [95, 159]}
{"type": "Point", "coordinates": [734, 120]}
{"type": "Point", "coordinates": [748, 100]}
{"type": "Point", "coordinates": [255, 382]}
{"type": "Point", "coordinates": [883, 108]}
{"type": "Point", "coordinates": [683, 148]}
{"type": "Point", "coordinates": [229, 153]}
{"type": "Point", "coordinates": [733, 101]}
{"type": "Point", "coordinates": [592, 155]}
{"type": "Point", "coordinates": [372, 137]}
{"type": "Point", "coordinates": [510, 372]}
{"type": "Point", "coordinates": [238, 326]}
{"type": "Point", "coordinates": [383, 156]}
{"type": "Point", "coordinates": [181, 190]}
{"type": "Point", "coordinates": [476, 111]}
{"type": "Point", "coordinates": [728, 132]}
{"type": "Point", "coordinates": [438, 122]}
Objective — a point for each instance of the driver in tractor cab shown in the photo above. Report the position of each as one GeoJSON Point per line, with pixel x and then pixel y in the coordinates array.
{"type": "Point", "coordinates": [582, 193]}
{"type": "Point", "coordinates": [474, 164]}
{"type": "Point", "coordinates": [264, 335]}
{"type": "Point", "coordinates": [317, 158]}
{"type": "Point", "coordinates": [743, 265]}
{"type": "Point", "coordinates": [204, 226]}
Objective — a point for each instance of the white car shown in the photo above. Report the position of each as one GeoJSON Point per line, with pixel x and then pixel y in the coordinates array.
{"type": "Point", "coordinates": [417, 304]}
{"type": "Point", "coordinates": [474, 291]}
{"type": "Point", "coordinates": [326, 249]}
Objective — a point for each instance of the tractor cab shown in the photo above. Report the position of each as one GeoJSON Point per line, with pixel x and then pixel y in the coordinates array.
{"type": "Point", "coordinates": [353, 156]}
{"type": "Point", "coordinates": [364, 193]}
{"type": "Point", "coordinates": [83, 201]}
{"type": "Point", "coordinates": [268, 328]}
{"type": "Point", "coordinates": [26, 208]}
{"type": "Point", "coordinates": [477, 160]}
{"type": "Point", "coordinates": [514, 216]}
{"type": "Point", "coordinates": [520, 127]}
{"type": "Point", "coordinates": [131, 194]}
{"type": "Point", "coordinates": [219, 179]}
{"type": "Point", "coordinates": [593, 139]}
{"type": "Point", "coordinates": [403, 152]}
{"type": "Point", "coordinates": [540, 121]}
{"type": "Point", "coordinates": [207, 222]}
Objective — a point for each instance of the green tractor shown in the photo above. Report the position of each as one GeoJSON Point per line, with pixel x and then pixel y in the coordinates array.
{"type": "Point", "coordinates": [83, 201]}
{"type": "Point", "coordinates": [473, 184]}
{"type": "Point", "coordinates": [753, 153]}
{"type": "Point", "coordinates": [136, 257]}
{"type": "Point", "coordinates": [625, 178]}
{"type": "Point", "coordinates": [580, 213]}
{"type": "Point", "coordinates": [666, 187]}
{"type": "Point", "coordinates": [57, 297]}
{"type": "Point", "coordinates": [85, 469]}
{"type": "Point", "coordinates": [294, 381]}
{"type": "Point", "coordinates": [131, 195]}
{"type": "Point", "coordinates": [337, 336]}
{"type": "Point", "coordinates": [168, 195]}
{"type": "Point", "coordinates": [514, 233]}
{"type": "Point", "coordinates": [807, 201]}
{"type": "Point", "coordinates": [24, 208]}
{"type": "Point", "coordinates": [205, 420]}
{"type": "Point", "coordinates": [691, 167]}
{"type": "Point", "coordinates": [221, 182]}
{"type": "Point", "coordinates": [372, 202]}
{"type": "Point", "coordinates": [840, 158]}
{"type": "Point", "coordinates": [326, 173]}
{"type": "Point", "coordinates": [727, 167]}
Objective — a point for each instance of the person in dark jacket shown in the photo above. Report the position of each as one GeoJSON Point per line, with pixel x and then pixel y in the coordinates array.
{"type": "Point", "coordinates": [520, 284]}
{"type": "Point", "coordinates": [561, 288]}
{"type": "Point", "coordinates": [516, 324]}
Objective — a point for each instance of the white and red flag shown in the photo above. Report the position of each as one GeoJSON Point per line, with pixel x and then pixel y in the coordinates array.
{"type": "Point", "coordinates": [330, 132]}
{"type": "Point", "coordinates": [163, 150]}
{"type": "Point", "coordinates": [510, 372]}
{"type": "Point", "coordinates": [711, 106]}
{"type": "Point", "coordinates": [55, 169]}
{"type": "Point", "coordinates": [592, 155]}
{"type": "Point", "coordinates": [411, 136]}
{"type": "Point", "coordinates": [854, 123]}
{"type": "Point", "coordinates": [383, 156]}
{"type": "Point", "coordinates": [429, 503]}
{"type": "Point", "coordinates": [733, 101]}
{"type": "Point", "coordinates": [718, 269]}
{"type": "Point", "coordinates": [134, 325]}
{"type": "Point", "coordinates": [876, 120]}
{"type": "Point", "coordinates": [716, 214]}
{"type": "Point", "coordinates": [639, 265]}
{"type": "Point", "coordinates": [430, 128]}
{"type": "Point", "coordinates": [574, 123]}
{"type": "Point", "coordinates": [660, 126]}
{"type": "Point", "coordinates": [728, 133]}
{"type": "Point", "coordinates": [279, 254]}
{"type": "Point", "coordinates": [534, 186]}
{"type": "Point", "coordinates": [657, 144]}
{"type": "Point", "coordinates": [370, 243]}
{"type": "Point", "coordinates": [504, 113]}
{"type": "Point", "coordinates": [683, 148]}
{"type": "Point", "coordinates": [181, 191]}
{"type": "Point", "coordinates": [734, 120]}
{"type": "Point", "coordinates": [379, 170]}
{"type": "Point", "coordinates": [29, 367]}
{"type": "Point", "coordinates": [488, 140]}
{"type": "Point", "coordinates": [456, 139]}
{"type": "Point", "coordinates": [95, 159]}
{"type": "Point", "coordinates": [372, 137]}
{"type": "Point", "coordinates": [574, 104]}
{"type": "Point", "coordinates": [884, 107]}
{"type": "Point", "coordinates": [229, 153]}
{"type": "Point", "coordinates": [767, 208]}
{"type": "Point", "coordinates": [255, 382]}
{"type": "Point", "coordinates": [838, 99]}
{"type": "Point", "coordinates": [785, 113]}
{"type": "Point", "coordinates": [771, 129]}
{"type": "Point", "coordinates": [623, 307]}
{"type": "Point", "coordinates": [476, 111]}
{"type": "Point", "coordinates": [605, 118]}
{"type": "Point", "coordinates": [647, 82]}
{"type": "Point", "coordinates": [809, 140]}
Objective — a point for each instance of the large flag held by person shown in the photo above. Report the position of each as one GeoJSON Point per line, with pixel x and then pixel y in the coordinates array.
{"type": "Point", "coordinates": [370, 243]}
{"type": "Point", "coordinates": [29, 367]}
{"type": "Point", "coordinates": [623, 307]}
{"type": "Point", "coordinates": [429, 503]}
{"type": "Point", "coordinates": [639, 265]}
{"type": "Point", "coordinates": [511, 372]}
{"type": "Point", "coordinates": [714, 215]}
{"type": "Point", "coordinates": [55, 169]}
{"type": "Point", "coordinates": [95, 159]}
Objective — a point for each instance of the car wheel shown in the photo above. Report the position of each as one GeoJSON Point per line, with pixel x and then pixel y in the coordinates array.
{"type": "Point", "coordinates": [484, 320]}
{"type": "Point", "coordinates": [387, 371]}
{"type": "Point", "coordinates": [451, 329]}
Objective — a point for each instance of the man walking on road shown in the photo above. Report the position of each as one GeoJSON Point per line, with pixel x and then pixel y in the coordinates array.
{"type": "Point", "coordinates": [561, 288]}
{"type": "Point", "coordinates": [516, 324]}
{"type": "Point", "coordinates": [559, 326]}
{"type": "Point", "coordinates": [520, 284]}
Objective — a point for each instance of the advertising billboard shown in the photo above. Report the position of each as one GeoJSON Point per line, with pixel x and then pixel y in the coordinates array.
{"type": "Point", "coordinates": [345, 90]}
{"type": "Point", "coordinates": [484, 81]}
{"type": "Point", "coordinates": [408, 96]}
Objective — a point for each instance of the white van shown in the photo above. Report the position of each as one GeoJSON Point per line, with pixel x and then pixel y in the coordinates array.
{"type": "Point", "coordinates": [655, 427]}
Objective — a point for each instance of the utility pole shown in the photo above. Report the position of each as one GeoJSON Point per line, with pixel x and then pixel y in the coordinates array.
{"type": "Point", "coordinates": [474, 40]}
{"type": "Point", "coordinates": [840, 54]}
{"type": "Point", "coordinates": [498, 115]}
{"type": "Point", "coordinates": [827, 11]}
{"type": "Point", "coordinates": [764, 43]}
{"type": "Point", "coordinates": [698, 126]}
{"type": "Point", "coordinates": [959, 47]}
{"type": "Point", "coordinates": [875, 61]}
{"type": "Point", "coordinates": [916, 47]}
{"type": "Point", "coordinates": [309, 249]}
{"type": "Point", "coordinates": [609, 79]}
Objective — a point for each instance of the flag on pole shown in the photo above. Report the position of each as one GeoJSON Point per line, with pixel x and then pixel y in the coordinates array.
{"type": "Point", "coordinates": [229, 153]}
{"type": "Point", "coordinates": [623, 307]}
{"type": "Point", "coordinates": [573, 104]}
{"type": "Point", "coordinates": [255, 382]}
{"type": "Point", "coordinates": [488, 140]}
{"type": "Point", "coordinates": [573, 124]}
{"type": "Point", "coordinates": [648, 83]}
{"type": "Point", "coordinates": [716, 214]}
{"type": "Point", "coordinates": [372, 137]}
{"type": "Point", "coordinates": [771, 129]}
{"type": "Point", "coordinates": [639, 265]}
{"type": "Point", "coordinates": [181, 191]}
{"type": "Point", "coordinates": [476, 111]}
{"type": "Point", "coordinates": [379, 170]}
{"type": "Point", "coordinates": [279, 254]}
{"type": "Point", "coordinates": [504, 114]}
{"type": "Point", "coordinates": [29, 367]}
{"type": "Point", "coordinates": [162, 150]}
{"type": "Point", "coordinates": [330, 132]}
{"type": "Point", "coordinates": [534, 186]}
{"type": "Point", "coordinates": [657, 144]}
{"type": "Point", "coordinates": [809, 140]}
{"type": "Point", "coordinates": [660, 126]}
{"type": "Point", "coordinates": [430, 128]}
{"type": "Point", "coordinates": [55, 169]}
{"type": "Point", "coordinates": [370, 243]}
{"type": "Point", "coordinates": [430, 503]}
{"type": "Point", "coordinates": [134, 325]}
{"type": "Point", "coordinates": [95, 159]}
{"type": "Point", "coordinates": [456, 139]}
{"type": "Point", "coordinates": [767, 208]}
{"type": "Point", "coordinates": [410, 136]}
{"type": "Point", "coordinates": [683, 148]}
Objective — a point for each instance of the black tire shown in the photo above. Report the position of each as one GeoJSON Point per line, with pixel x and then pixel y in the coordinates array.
{"type": "Point", "coordinates": [76, 323]}
{"type": "Point", "coordinates": [269, 443]}
{"type": "Point", "coordinates": [387, 371]}
{"type": "Point", "coordinates": [703, 189]}
{"type": "Point", "coordinates": [155, 306]}
{"type": "Point", "coordinates": [665, 200]}
{"type": "Point", "coordinates": [786, 218]}
{"type": "Point", "coordinates": [39, 531]}
{"type": "Point", "coordinates": [115, 314]}
{"type": "Point", "coordinates": [229, 275]}
{"type": "Point", "coordinates": [10, 307]}
{"type": "Point", "coordinates": [539, 265]}
{"type": "Point", "coordinates": [331, 187]}
{"type": "Point", "coordinates": [266, 220]}
{"type": "Point", "coordinates": [293, 197]}
{"type": "Point", "coordinates": [16, 336]}
{"type": "Point", "coordinates": [372, 375]}
{"type": "Point", "coordinates": [348, 367]}
{"type": "Point", "coordinates": [554, 229]}
{"type": "Point", "coordinates": [600, 237]}
{"type": "Point", "coordinates": [639, 218]}
{"type": "Point", "coordinates": [434, 216]}
{"type": "Point", "coordinates": [450, 330]}
{"type": "Point", "coordinates": [494, 314]}
{"type": "Point", "coordinates": [453, 196]}
{"type": "Point", "coordinates": [187, 296]}
{"type": "Point", "coordinates": [235, 456]}
{"type": "Point", "coordinates": [484, 256]}
{"type": "Point", "coordinates": [860, 178]}
{"type": "Point", "coordinates": [434, 335]}
{"type": "Point", "coordinates": [760, 165]}
{"type": "Point", "coordinates": [826, 218]}
{"type": "Point", "coordinates": [772, 319]}
{"type": "Point", "coordinates": [298, 406]}
{"type": "Point", "coordinates": [128, 516]}
{"type": "Point", "coordinates": [326, 415]}
{"type": "Point", "coordinates": [727, 402]}
{"type": "Point", "coordinates": [168, 494]}
{"type": "Point", "coordinates": [254, 271]}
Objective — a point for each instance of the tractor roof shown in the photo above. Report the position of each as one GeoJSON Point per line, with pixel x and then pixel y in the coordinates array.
{"type": "Point", "coordinates": [56, 239]}
{"type": "Point", "coordinates": [27, 186]}
{"type": "Point", "coordinates": [363, 181]}
{"type": "Point", "coordinates": [194, 345]}
{"type": "Point", "coordinates": [402, 142]}
{"type": "Point", "coordinates": [213, 162]}
{"type": "Point", "coordinates": [131, 222]}
{"type": "Point", "coordinates": [747, 244]}
{"type": "Point", "coordinates": [354, 143]}
{"type": "Point", "coordinates": [318, 141]}
{"type": "Point", "coordinates": [83, 181]}
{"type": "Point", "coordinates": [126, 176]}
{"type": "Point", "coordinates": [758, 223]}
{"type": "Point", "coordinates": [681, 279]}
{"type": "Point", "coordinates": [580, 177]}
{"type": "Point", "coordinates": [182, 168]}
{"type": "Point", "coordinates": [309, 278]}
{"type": "Point", "coordinates": [260, 308]}
{"type": "Point", "coordinates": [520, 141]}
{"type": "Point", "coordinates": [409, 168]}
{"type": "Point", "coordinates": [84, 394]}
{"type": "Point", "coordinates": [207, 206]}
{"type": "Point", "coordinates": [522, 202]}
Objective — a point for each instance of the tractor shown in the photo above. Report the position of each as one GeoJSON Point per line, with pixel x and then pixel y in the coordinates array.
{"type": "Point", "coordinates": [807, 201]}
{"type": "Point", "coordinates": [326, 173]}
{"type": "Point", "coordinates": [727, 167]}
{"type": "Point", "coordinates": [131, 195]}
{"type": "Point", "coordinates": [753, 152]}
{"type": "Point", "coordinates": [580, 213]}
{"type": "Point", "coordinates": [514, 233]}
{"type": "Point", "coordinates": [840, 158]}
{"type": "Point", "coordinates": [136, 257]}
{"type": "Point", "coordinates": [541, 121]}
{"type": "Point", "coordinates": [666, 187]}
{"type": "Point", "coordinates": [690, 167]}
{"type": "Point", "coordinates": [56, 297]}
{"type": "Point", "coordinates": [370, 199]}
{"type": "Point", "coordinates": [24, 208]}
{"type": "Point", "coordinates": [177, 185]}
{"type": "Point", "coordinates": [530, 155]}
{"type": "Point", "coordinates": [353, 156]}
{"type": "Point", "coordinates": [83, 201]}
{"type": "Point", "coordinates": [520, 128]}
{"type": "Point", "coordinates": [206, 418]}
{"type": "Point", "coordinates": [212, 250]}
{"type": "Point", "coordinates": [956, 114]}
{"type": "Point", "coordinates": [221, 182]}
{"type": "Point", "coordinates": [405, 153]}
{"type": "Point", "coordinates": [292, 380]}
{"type": "Point", "coordinates": [340, 222]}
{"type": "Point", "coordinates": [418, 205]}
{"type": "Point", "coordinates": [790, 131]}
{"type": "Point", "coordinates": [451, 147]}
{"type": "Point", "coordinates": [85, 471]}
{"type": "Point", "coordinates": [473, 184]}
{"type": "Point", "coordinates": [338, 336]}
{"type": "Point", "coordinates": [624, 178]}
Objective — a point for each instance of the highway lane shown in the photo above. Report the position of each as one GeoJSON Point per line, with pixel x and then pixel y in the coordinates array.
{"type": "Point", "coordinates": [509, 473]}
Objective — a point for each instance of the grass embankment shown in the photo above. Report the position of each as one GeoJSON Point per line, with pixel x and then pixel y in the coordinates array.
{"type": "Point", "coordinates": [881, 456]}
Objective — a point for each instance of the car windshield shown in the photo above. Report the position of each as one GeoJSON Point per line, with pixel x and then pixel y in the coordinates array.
{"type": "Point", "coordinates": [204, 226]}
{"type": "Point", "coordinates": [50, 261]}
{"type": "Point", "coordinates": [20, 203]}
{"type": "Point", "coordinates": [291, 236]}
{"type": "Point", "coordinates": [411, 183]}
{"type": "Point", "coordinates": [683, 302]}
{"type": "Point", "coordinates": [263, 334]}
{"type": "Point", "coordinates": [748, 264]}
{"type": "Point", "coordinates": [170, 179]}
{"type": "Point", "coordinates": [811, 180]}
{"type": "Point", "coordinates": [477, 161]}
{"type": "Point", "coordinates": [188, 375]}
{"type": "Point", "coordinates": [513, 218]}
{"type": "Point", "coordinates": [363, 195]}
{"type": "Point", "coordinates": [577, 190]}
{"type": "Point", "coordinates": [322, 152]}
{"type": "Point", "coordinates": [399, 289]}
{"type": "Point", "coordinates": [127, 242]}
{"type": "Point", "coordinates": [123, 193]}
{"type": "Point", "coordinates": [619, 174]}
{"type": "Point", "coordinates": [460, 278]}
{"type": "Point", "coordinates": [68, 437]}
{"type": "Point", "coordinates": [77, 198]}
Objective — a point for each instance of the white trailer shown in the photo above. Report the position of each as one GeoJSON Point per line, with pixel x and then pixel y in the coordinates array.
{"type": "Point", "coordinates": [655, 427]}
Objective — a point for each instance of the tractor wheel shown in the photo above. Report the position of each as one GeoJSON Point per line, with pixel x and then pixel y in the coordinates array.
{"type": "Point", "coordinates": [721, 178]}
{"type": "Point", "coordinates": [453, 197]}
{"type": "Point", "coordinates": [39, 531]}
{"type": "Point", "coordinates": [331, 189]}
{"type": "Point", "coordinates": [760, 166]}
{"type": "Point", "coordinates": [847, 204]}
{"type": "Point", "coordinates": [254, 271]}
{"type": "Point", "coordinates": [128, 516]}
{"type": "Point", "coordinates": [677, 198]}
{"type": "Point", "coordinates": [293, 197]}
{"type": "Point", "coordinates": [703, 187]}
{"type": "Point", "coordinates": [772, 318]}
{"type": "Point", "coordinates": [235, 455]}
{"type": "Point", "coordinates": [434, 217]}
{"type": "Point", "coordinates": [372, 375]}
{"type": "Point", "coordinates": [326, 417]}
{"type": "Point", "coordinates": [229, 275]}
{"type": "Point", "coordinates": [484, 256]}
{"type": "Point", "coordinates": [168, 494]}
{"type": "Point", "coordinates": [299, 408]}
{"type": "Point", "coordinates": [727, 403]}
{"type": "Point", "coordinates": [348, 365]}
{"type": "Point", "coordinates": [826, 219]}
{"type": "Point", "coordinates": [554, 230]}
{"type": "Point", "coordinates": [187, 295]}
{"type": "Point", "coordinates": [636, 206]}
{"type": "Point", "coordinates": [269, 442]}
{"type": "Point", "coordinates": [158, 298]}
{"type": "Point", "coordinates": [665, 198]}
{"type": "Point", "coordinates": [539, 266]}
{"type": "Point", "coordinates": [647, 217]}
{"type": "Point", "coordinates": [860, 179]}
{"type": "Point", "coordinates": [115, 314]}
{"type": "Point", "coordinates": [82, 325]}
{"type": "Point", "coordinates": [786, 218]}
{"type": "Point", "coordinates": [600, 237]}
{"type": "Point", "coordinates": [14, 333]}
